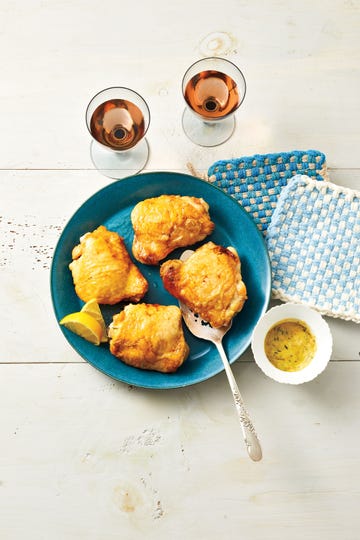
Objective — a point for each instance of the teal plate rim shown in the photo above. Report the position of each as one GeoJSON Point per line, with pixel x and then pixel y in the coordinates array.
{"type": "Point", "coordinates": [111, 206]}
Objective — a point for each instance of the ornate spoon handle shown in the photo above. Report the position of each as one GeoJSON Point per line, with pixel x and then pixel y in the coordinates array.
{"type": "Point", "coordinates": [248, 430]}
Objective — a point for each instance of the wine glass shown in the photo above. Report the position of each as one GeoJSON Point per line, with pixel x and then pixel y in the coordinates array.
{"type": "Point", "coordinates": [213, 89]}
{"type": "Point", "coordinates": [117, 119]}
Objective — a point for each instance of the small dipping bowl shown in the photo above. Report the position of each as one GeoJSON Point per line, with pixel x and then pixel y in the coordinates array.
{"type": "Point", "coordinates": [317, 326]}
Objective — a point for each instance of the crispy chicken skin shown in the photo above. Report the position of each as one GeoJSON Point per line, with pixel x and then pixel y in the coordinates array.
{"type": "Point", "coordinates": [162, 224]}
{"type": "Point", "coordinates": [149, 336]}
{"type": "Point", "coordinates": [102, 269]}
{"type": "Point", "coordinates": [209, 283]}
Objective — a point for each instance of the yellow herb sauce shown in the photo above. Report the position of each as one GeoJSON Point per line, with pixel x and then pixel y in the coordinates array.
{"type": "Point", "coordinates": [290, 345]}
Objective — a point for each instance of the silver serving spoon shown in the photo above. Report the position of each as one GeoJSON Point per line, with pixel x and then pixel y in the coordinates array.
{"type": "Point", "coordinates": [204, 330]}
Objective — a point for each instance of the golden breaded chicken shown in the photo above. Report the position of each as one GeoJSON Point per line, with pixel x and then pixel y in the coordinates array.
{"type": "Point", "coordinates": [209, 283]}
{"type": "Point", "coordinates": [149, 336]}
{"type": "Point", "coordinates": [162, 224]}
{"type": "Point", "coordinates": [102, 269]}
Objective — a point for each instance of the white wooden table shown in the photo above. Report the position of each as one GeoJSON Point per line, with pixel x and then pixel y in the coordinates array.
{"type": "Point", "coordinates": [86, 457]}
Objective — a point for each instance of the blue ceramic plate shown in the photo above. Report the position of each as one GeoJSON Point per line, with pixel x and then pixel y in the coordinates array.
{"type": "Point", "coordinates": [111, 207]}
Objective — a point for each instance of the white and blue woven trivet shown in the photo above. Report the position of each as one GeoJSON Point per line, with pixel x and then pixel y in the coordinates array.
{"type": "Point", "coordinates": [257, 181]}
{"type": "Point", "coordinates": [314, 247]}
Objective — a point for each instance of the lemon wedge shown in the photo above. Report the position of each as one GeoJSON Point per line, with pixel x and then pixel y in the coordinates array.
{"type": "Point", "coordinates": [83, 325]}
{"type": "Point", "coordinates": [92, 308]}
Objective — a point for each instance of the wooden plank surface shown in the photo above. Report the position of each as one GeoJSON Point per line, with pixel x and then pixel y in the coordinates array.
{"type": "Point", "coordinates": [34, 208]}
{"type": "Point", "coordinates": [83, 456]}
{"type": "Point", "coordinates": [301, 62]}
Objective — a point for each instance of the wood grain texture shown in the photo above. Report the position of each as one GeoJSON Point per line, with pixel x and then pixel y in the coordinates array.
{"type": "Point", "coordinates": [301, 62]}
{"type": "Point", "coordinates": [83, 456]}
{"type": "Point", "coordinates": [30, 226]}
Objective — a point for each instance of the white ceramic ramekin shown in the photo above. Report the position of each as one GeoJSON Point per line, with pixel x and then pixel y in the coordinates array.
{"type": "Point", "coordinates": [319, 329]}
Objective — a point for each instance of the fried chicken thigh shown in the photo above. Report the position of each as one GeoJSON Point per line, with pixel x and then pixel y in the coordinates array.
{"type": "Point", "coordinates": [102, 269]}
{"type": "Point", "coordinates": [162, 224]}
{"type": "Point", "coordinates": [149, 336]}
{"type": "Point", "coordinates": [209, 283]}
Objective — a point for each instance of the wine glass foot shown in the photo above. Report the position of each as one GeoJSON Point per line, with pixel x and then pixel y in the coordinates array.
{"type": "Point", "coordinates": [119, 165]}
{"type": "Point", "coordinates": [207, 133]}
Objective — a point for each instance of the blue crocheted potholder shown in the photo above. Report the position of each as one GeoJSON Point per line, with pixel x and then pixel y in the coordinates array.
{"type": "Point", "coordinates": [314, 247]}
{"type": "Point", "coordinates": [256, 181]}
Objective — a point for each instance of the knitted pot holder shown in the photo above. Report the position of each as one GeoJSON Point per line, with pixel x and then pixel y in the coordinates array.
{"type": "Point", "coordinates": [256, 181]}
{"type": "Point", "coordinates": [314, 247]}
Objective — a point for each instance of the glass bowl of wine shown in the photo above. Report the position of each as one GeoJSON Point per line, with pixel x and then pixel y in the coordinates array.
{"type": "Point", "coordinates": [213, 89]}
{"type": "Point", "coordinates": [117, 119]}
